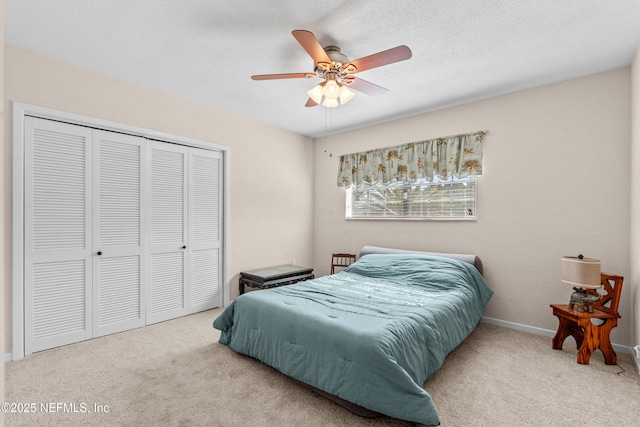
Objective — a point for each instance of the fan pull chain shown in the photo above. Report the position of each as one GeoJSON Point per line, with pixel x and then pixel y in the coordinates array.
{"type": "Point", "coordinates": [328, 111]}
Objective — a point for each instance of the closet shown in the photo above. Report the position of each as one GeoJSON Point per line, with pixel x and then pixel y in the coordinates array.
{"type": "Point", "coordinates": [120, 231]}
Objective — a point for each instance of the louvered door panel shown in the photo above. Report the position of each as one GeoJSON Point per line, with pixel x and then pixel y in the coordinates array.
{"type": "Point", "coordinates": [168, 234]}
{"type": "Point", "coordinates": [57, 220]}
{"type": "Point", "coordinates": [205, 219]}
{"type": "Point", "coordinates": [119, 234]}
{"type": "Point", "coordinates": [59, 187]}
{"type": "Point", "coordinates": [205, 280]}
{"type": "Point", "coordinates": [119, 189]}
{"type": "Point", "coordinates": [167, 272]}
{"type": "Point", "coordinates": [168, 196]}
{"type": "Point", "coordinates": [59, 299]}
{"type": "Point", "coordinates": [119, 306]}
{"type": "Point", "coordinates": [206, 196]}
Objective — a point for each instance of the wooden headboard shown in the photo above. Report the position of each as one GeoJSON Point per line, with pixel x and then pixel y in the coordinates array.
{"type": "Point", "coordinates": [468, 258]}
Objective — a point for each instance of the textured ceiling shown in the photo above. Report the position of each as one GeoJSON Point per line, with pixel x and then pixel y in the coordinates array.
{"type": "Point", "coordinates": [206, 50]}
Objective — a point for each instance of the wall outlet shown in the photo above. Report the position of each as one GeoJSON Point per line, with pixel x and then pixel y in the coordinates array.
{"type": "Point", "coordinates": [637, 349]}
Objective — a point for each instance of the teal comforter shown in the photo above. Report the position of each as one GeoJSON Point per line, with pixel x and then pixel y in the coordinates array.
{"type": "Point", "coordinates": [371, 334]}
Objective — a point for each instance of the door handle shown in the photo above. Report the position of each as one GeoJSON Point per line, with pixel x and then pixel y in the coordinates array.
{"type": "Point", "coordinates": [99, 253]}
{"type": "Point", "coordinates": [184, 247]}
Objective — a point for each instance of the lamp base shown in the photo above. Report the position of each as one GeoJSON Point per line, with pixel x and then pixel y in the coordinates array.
{"type": "Point", "coordinates": [581, 298]}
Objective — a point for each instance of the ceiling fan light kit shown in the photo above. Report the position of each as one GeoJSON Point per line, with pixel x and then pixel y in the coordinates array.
{"type": "Point", "coordinates": [333, 66]}
{"type": "Point", "coordinates": [330, 93]}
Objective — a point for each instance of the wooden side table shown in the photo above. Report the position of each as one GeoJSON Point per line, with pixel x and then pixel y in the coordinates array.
{"type": "Point", "coordinates": [272, 277]}
{"type": "Point", "coordinates": [590, 336]}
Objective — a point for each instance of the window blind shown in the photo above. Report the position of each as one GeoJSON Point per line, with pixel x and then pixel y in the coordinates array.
{"type": "Point", "coordinates": [436, 200]}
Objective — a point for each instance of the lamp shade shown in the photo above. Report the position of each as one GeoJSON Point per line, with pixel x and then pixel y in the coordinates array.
{"type": "Point", "coordinates": [581, 272]}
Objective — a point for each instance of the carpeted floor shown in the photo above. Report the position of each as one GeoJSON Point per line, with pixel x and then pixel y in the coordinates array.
{"type": "Point", "coordinates": [176, 374]}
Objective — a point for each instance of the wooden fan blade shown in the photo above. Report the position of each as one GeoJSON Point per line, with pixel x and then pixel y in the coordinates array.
{"type": "Point", "coordinates": [282, 76]}
{"type": "Point", "coordinates": [310, 103]}
{"type": "Point", "coordinates": [367, 87]}
{"type": "Point", "coordinates": [309, 42]}
{"type": "Point", "coordinates": [379, 59]}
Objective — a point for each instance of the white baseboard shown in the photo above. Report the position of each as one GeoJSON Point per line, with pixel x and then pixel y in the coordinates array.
{"type": "Point", "coordinates": [8, 357]}
{"type": "Point", "coordinates": [547, 333]}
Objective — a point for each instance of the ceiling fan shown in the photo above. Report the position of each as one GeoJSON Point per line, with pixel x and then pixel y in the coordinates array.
{"type": "Point", "coordinates": [337, 71]}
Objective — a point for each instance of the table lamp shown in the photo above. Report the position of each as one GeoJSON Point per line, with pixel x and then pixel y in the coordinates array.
{"type": "Point", "coordinates": [584, 274]}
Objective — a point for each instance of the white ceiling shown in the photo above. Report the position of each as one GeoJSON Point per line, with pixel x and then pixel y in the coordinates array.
{"type": "Point", "coordinates": [206, 50]}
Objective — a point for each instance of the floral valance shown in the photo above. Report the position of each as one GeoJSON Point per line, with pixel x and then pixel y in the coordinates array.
{"type": "Point", "coordinates": [452, 156]}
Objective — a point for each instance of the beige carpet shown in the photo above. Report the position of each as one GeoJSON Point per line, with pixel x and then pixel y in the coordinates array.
{"type": "Point", "coordinates": [176, 374]}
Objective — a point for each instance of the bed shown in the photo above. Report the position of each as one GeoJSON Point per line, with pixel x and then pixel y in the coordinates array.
{"type": "Point", "coordinates": [368, 336]}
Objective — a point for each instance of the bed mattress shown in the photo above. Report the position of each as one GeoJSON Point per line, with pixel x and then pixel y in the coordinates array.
{"type": "Point", "coordinates": [371, 334]}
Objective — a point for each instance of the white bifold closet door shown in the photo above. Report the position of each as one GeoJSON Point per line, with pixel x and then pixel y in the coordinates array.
{"type": "Point", "coordinates": [185, 233]}
{"type": "Point", "coordinates": [168, 251]}
{"type": "Point", "coordinates": [120, 232]}
{"type": "Point", "coordinates": [205, 229]}
{"type": "Point", "coordinates": [57, 234]}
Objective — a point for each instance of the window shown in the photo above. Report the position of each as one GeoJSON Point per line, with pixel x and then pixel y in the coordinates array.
{"type": "Point", "coordinates": [436, 200]}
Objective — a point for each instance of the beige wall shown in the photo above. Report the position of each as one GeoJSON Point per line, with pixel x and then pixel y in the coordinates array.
{"type": "Point", "coordinates": [271, 179]}
{"type": "Point", "coordinates": [555, 182]}
{"type": "Point", "coordinates": [3, 219]}
{"type": "Point", "coordinates": [634, 282]}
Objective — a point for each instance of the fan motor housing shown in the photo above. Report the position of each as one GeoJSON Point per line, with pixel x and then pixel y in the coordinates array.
{"type": "Point", "coordinates": [334, 53]}
{"type": "Point", "coordinates": [337, 65]}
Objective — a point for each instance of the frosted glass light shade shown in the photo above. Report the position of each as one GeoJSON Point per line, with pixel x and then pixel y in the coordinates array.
{"type": "Point", "coordinates": [331, 103]}
{"type": "Point", "coordinates": [345, 95]}
{"type": "Point", "coordinates": [316, 94]}
{"type": "Point", "coordinates": [581, 272]}
{"type": "Point", "coordinates": [331, 90]}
